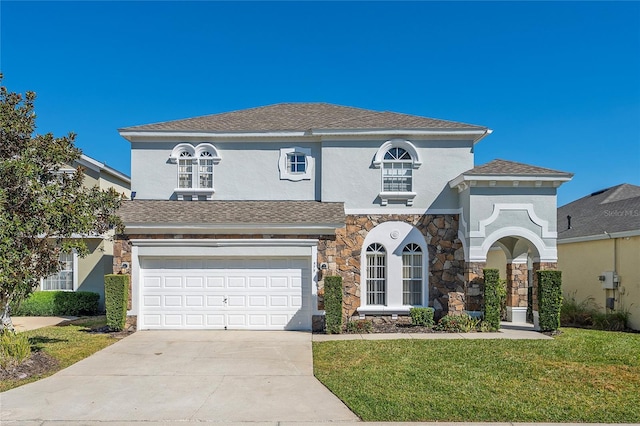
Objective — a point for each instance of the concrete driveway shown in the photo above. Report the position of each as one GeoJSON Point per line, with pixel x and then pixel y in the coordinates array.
{"type": "Point", "coordinates": [183, 376]}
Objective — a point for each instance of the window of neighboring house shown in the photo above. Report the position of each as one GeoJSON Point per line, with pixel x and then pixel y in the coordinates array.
{"type": "Point", "coordinates": [195, 170]}
{"type": "Point", "coordinates": [63, 280]}
{"type": "Point", "coordinates": [295, 164]}
{"type": "Point", "coordinates": [412, 275]}
{"type": "Point", "coordinates": [376, 275]}
{"type": "Point", "coordinates": [397, 168]}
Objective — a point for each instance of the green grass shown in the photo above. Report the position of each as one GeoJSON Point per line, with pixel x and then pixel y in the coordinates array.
{"type": "Point", "coordinates": [68, 344]}
{"type": "Point", "coordinates": [579, 376]}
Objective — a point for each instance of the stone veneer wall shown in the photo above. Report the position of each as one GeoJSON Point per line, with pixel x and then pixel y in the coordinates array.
{"type": "Point", "coordinates": [517, 283]}
{"type": "Point", "coordinates": [445, 262]}
{"type": "Point", "coordinates": [341, 252]}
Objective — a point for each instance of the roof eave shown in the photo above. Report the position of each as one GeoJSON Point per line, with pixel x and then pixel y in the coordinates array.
{"type": "Point", "coordinates": [467, 180]}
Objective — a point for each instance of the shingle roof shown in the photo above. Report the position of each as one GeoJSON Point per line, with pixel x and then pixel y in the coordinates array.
{"type": "Point", "coordinates": [231, 212]}
{"type": "Point", "coordinates": [504, 167]}
{"type": "Point", "coordinates": [616, 209]}
{"type": "Point", "coordinates": [302, 117]}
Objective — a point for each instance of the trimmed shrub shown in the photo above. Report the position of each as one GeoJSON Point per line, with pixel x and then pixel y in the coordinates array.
{"type": "Point", "coordinates": [333, 304]}
{"type": "Point", "coordinates": [422, 316]}
{"type": "Point", "coordinates": [116, 296]}
{"type": "Point", "coordinates": [54, 303]}
{"type": "Point", "coordinates": [549, 299]}
{"type": "Point", "coordinates": [463, 323]}
{"type": "Point", "coordinates": [492, 301]}
{"type": "Point", "coordinates": [14, 348]}
{"type": "Point", "coordinates": [359, 326]}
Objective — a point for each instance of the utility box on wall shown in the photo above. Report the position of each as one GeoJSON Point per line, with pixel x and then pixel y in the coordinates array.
{"type": "Point", "coordinates": [609, 280]}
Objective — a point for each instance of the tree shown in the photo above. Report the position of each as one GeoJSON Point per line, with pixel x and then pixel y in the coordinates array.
{"type": "Point", "coordinates": [44, 210]}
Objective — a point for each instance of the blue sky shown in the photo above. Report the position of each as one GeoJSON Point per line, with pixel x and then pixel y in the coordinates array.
{"type": "Point", "coordinates": [558, 82]}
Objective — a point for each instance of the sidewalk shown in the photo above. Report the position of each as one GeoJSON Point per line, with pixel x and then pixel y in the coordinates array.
{"type": "Point", "coordinates": [507, 331]}
{"type": "Point", "coordinates": [33, 323]}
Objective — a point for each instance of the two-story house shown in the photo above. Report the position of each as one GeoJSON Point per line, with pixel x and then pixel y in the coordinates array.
{"type": "Point", "coordinates": [239, 216]}
{"type": "Point", "coordinates": [87, 273]}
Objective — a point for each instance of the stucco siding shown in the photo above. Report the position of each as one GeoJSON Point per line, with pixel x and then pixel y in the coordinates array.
{"type": "Point", "coordinates": [247, 171]}
{"type": "Point", "coordinates": [349, 175]}
{"type": "Point", "coordinates": [93, 267]}
{"type": "Point", "coordinates": [581, 263]}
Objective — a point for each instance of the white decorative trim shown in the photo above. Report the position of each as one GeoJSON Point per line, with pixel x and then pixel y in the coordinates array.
{"type": "Point", "coordinates": [244, 242]}
{"type": "Point", "coordinates": [407, 197]}
{"type": "Point", "coordinates": [195, 152]}
{"type": "Point", "coordinates": [199, 228]}
{"type": "Point", "coordinates": [397, 143]}
{"type": "Point", "coordinates": [399, 210]}
{"type": "Point", "coordinates": [623, 234]}
{"type": "Point", "coordinates": [194, 193]}
{"type": "Point", "coordinates": [285, 174]}
{"type": "Point", "coordinates": [383, 310]}
{"type": "Point", "coordinates": [497, 208]}
{"type": "Point", "coordinates": [546, 254]}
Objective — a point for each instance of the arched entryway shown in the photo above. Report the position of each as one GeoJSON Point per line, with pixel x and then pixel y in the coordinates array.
{"type": "Point", "coordinates": [518, 254]}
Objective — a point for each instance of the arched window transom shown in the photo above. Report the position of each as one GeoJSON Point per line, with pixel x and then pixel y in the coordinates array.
{"type": "Point", "coordinates": [376, 275]}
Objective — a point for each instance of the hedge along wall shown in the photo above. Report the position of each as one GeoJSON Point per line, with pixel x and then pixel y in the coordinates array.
{"type": "Point", "coordinates": [46, 303]}
{"type": "Point", "coordinates": [549, 299]}
{"type": "Point", "coordinates": [333, 304]}
{"type": "Point", "coordinates": [492, 298]}
{"type": "Point", "coordinates": [116, 295]}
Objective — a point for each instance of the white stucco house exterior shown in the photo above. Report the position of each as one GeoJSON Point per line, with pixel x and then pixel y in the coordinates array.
{"type": "Point", "coordinates": [238, 217]}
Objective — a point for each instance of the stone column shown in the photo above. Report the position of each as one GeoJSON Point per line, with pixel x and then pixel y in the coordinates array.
{"type": "Point", "coordinates": [474, 279]}
{"type": "Point", "coordinates": [517, 292]}
{"type": "Point", "coordinates": [539, 266]}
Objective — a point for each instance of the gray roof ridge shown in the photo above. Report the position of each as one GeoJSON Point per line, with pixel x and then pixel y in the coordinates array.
{"type": "Point", "coordinates": [617, 193]}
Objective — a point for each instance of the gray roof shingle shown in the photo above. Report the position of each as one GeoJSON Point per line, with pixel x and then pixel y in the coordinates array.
{"type": "Point", "coordinates": [301, 117]}
{"type": "Point", "coordinates": [504, 167]}
{"type": "Point", "coordinates": [616, 209]}
{"type": "Point", "coordinates": [231, 212]}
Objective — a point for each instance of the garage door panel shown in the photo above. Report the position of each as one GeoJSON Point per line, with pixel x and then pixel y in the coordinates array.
{"type": "Point", "coordinates": [233, 293]}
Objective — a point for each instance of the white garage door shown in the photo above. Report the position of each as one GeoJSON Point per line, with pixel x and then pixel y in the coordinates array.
{"type": "Point", "coordinates": [193, 293]}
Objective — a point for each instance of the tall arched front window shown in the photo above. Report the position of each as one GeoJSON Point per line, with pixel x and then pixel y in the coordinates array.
{"type": "Point", "coordinates": [185, 170]}
{"type": "Point", "coordinates": [412, 275]}
{"type": "Point", "coordinates": [397, 168]}
{"type": "Point", "coordinates": [376, 275]}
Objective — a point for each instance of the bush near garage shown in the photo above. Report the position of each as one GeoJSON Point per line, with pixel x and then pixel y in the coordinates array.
{"type": "Point", "coordinates": [116, 296]}
{"type": "Point", "coordinates": [58, 303]}
{"type": "Point", "coordinates": [333, 304]}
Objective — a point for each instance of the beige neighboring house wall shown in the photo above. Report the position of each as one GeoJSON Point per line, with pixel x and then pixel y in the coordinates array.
{"type": "Point", "coordinates": [582, 263]}
{"type": "Point", "coordinates": [603, 234]}
{"type": "Point", "coordinates": [496, 259]}
{"type": "Point", "coordinates": [91, 269]}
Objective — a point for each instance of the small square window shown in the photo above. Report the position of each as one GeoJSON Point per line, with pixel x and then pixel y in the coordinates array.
{"type": "Point", "coordinates": [297, 163]}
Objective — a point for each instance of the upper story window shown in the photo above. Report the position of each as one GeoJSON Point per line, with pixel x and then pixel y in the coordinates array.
{"type": "Point", "coordinates": [195, 170]}
{"type": "Point", "coordinates": [295, 164]}
{"type": "Point", "coordinates": [398, 159]}
{"type": "Point", "coordinates": [397, 168]}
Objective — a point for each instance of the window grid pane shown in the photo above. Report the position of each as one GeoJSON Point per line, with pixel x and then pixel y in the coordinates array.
{"type": "Point", "coordinates": [185, 174]}
{"type": "Point", "coordinates": [206, 173]}
{"type": "Point", "coordinates": [63, 280]}
{"type": "Point", "coordinates": [297, 163]}
{"type": "Point", "coordinates": [376, 275]}
{"type": "Point", "coordinates": [397, 177]}
{"type": "Point", "coordinates": [412, 275]}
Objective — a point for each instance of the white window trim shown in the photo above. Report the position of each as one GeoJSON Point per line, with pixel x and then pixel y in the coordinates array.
{"type": "Point", "coordinates": [394, 236]}
{"type": "Point", "coordinates": [75, 275]}
{"type": "Point", "coordinates": [286, 174]}
{"type": "Point", "coordinates": [378, 160]}
{"type": "Point", "coordinates": [195, 191]}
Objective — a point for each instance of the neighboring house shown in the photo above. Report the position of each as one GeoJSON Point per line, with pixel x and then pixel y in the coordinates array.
{"type": "Point", "coordinates": [599, 249]}
{"type": "Point", "coordinates": [87, 273]}
{"type": "Point", "coordinates": [239, 216]}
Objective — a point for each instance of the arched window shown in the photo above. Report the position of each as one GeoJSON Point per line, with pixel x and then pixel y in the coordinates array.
{"type": "Point", "coordinates": [397, 168]}
{"type": "Point", "coordinates": [412, 275]}
{"type": "Point", "coordinates": [376, 275]}
{"type": "Point", "coordinates": [185, 170]}
{"type": "Point", "coordinates": [195, 170]}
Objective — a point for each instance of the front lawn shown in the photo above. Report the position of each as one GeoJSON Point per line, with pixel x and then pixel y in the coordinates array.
{"type": "Point", "coordinates": [579, 376]}
{"type": "Point", "coordinates": [61, 346]}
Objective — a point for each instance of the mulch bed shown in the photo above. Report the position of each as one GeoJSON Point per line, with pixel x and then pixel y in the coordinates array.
{"type": "Point", "coordinates": [38, 363]}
